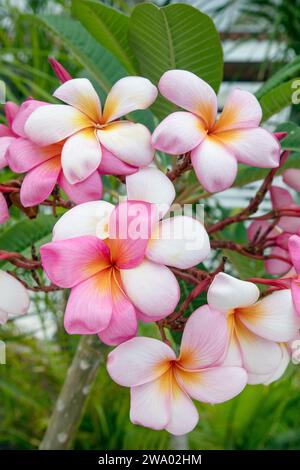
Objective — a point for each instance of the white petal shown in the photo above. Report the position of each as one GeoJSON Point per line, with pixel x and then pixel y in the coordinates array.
{"type": "Point", "coordinates": [14, 298]}
{"type": "Point", "coordinates": [151, 185]}
{"type": "Point", "coordinates": [90, 218]}
{"type": "Point", "coordinates": [128, 141]}
{"type": "Point", "coordinates": [128, 94]}
{"type": "Point", "coordinates": [81, 94]}
{"type": "Point", "coordinates": [81, 155]}
{"type": "Point", "coordinates": [184, 415]}
{"type": "Point", "coordinates": [152, 288]}
{"type": "Point", "coordinates": [227, 292]}
{"type": "Point", "coordinates": [54, 122]}
{"type": "Point", "coordinates": [267, 379]}
{"type": "Point", "coordinates": [273, 318]}
{"type": "Point", "coordinates": [180, 242]}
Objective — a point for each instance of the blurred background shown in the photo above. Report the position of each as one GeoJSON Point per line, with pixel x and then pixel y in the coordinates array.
{"type": "Point", "coordinates": [259, 37]}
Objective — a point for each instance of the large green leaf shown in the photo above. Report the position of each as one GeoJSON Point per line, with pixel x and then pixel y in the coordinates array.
{"type": "Point", "coordinates": [21, 235]}
{"type": "Point", "coordinates": [176, 36]}
{"type": "Point", "coordinates": [108, 26]}
{"type": "Point", "coordinates": [277, 99]}
{"type": "Point", "coordinates": [102, 66]}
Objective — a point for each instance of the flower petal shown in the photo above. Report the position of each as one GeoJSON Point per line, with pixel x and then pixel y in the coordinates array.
{"type": "Point", "coordinates": [254, 147]}
{"type": "Point", "coordinates": [130, 226]}
{"type": "Point", "coordinates": [11, 110]}
{"type": "Point", "coordinates": [291, 177]}
{"type": "Point", "coordinates": [178, 133]}
{"type": "Point", "coordinates": [273, 317]}
{"type": "Point", "coordinates": [267, 379]}
{"type": "Point", "coordinates": [213, 385]}
{"type": "Point", "coordinates": [260, 356]}
{"type": "Point", "coordinates": [88, 190]}
{"type": "Point", "coordinates": [214, 165]}
{"type": "Point", "coordinates": [181, 242]}
{"type": "Point", "coordinates": [227, 292]}
{"type": "Point", "coordinates": [23, 155]}
{"type": "Point", "coordinates": [128, 141]}
{"type": "Point", "coordinates": [123, 322]}
{"type": "Point", "coordinates": [281, 198]}
{"type": "Point", "coordinates": [152, 288]}
{"type": "Point", "coordinates": [89, 307]}
{"type": "Point", "coordinates": [189, 92]}
{"type": "Point", "coordinates": [184, 414]}
{"type": "Point", "coordinates": [204, 339]}
{"type": "Point", "coordinates": [5, 143]}
{"type": "Point", "coordinates": [80, 94]}
{"type": "Point", "coordinates": [25, 110]}
{"type": "Point", "coordinates": [39, 182]}
{"type": "Point", "coordinates": [151, 185]}
{"type": "Point", "coordinates": [54, 122]}
{"type": "Point", "coordinates": [89, 218]}
{"type": "Point", "coordinates": [81, 155]}
{"type": "Point", "coordinates": [14, 298]}
{"type": "Point", "coordinates": [241, 110]}
{"type": "Point", "coordinates": [111, 165]}
{"type": "Point", "coordinates": [128, 94]}
{"type": "Point", "coordinates": [295, 291]}
{"type": "Point", "coordinates": [138, 361]}
{"type": "Point", "coordinates": [69, 262]}
{"type": "Point", "coordinates": [4, 214]}
{"type": "Point", "coordinates": [150, 403]}
{"type": "Point", "coordinates": [276, 266]}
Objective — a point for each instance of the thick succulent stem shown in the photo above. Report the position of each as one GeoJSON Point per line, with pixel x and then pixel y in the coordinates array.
{"type": "Point", "coordinates": [72, 399]}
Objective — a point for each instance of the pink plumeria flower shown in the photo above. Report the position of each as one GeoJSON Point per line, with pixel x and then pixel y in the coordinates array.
{"type": "Point", "coordinates": [216, 146]}
{"type": "Point", "coordinates": [117, 274]}
{"type": "Point", "coordinates": [294, 251]}
{"type": "Point", "coordinates": [162, 385]}
{"type": "Point", "coordinates": [7, 136]}
{"type": "Point", "coordinates": [256, 328]}
{"type": "Point", "coordinates": [280, 234]}
{"type": "Point", "coordinates": [42, 165]}
{"type": "Point", "coordinates": [14, 299]}
{"type": "Point", "coordinates": [90, 135]}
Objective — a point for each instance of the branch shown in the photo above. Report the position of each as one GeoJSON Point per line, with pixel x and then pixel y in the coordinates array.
{"type": "Point", "coordinates": [74, 394]}
{"type": "Point", "coordinates": [184, 165]}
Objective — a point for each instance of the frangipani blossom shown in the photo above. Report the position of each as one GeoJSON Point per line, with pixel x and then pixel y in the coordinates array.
{"type": "Point", "coordinates": [216, 146]}
{"type": "Point", "coordinates": [7, 136]}
{"type": "Point", "coordinates": [256, 328]}
{"type": "Point", "coordinates": [88, 135]}
{"type": "Point", "coordinates": [294, 251]}
{"type": "Point", "coordinates": [115, 260]}
{"type": "Point", "coordinates": [279, 235]}
{"type": "Point", "coordinates": [14, 299]}
{"type": "Point", "coordinates": [42, 165]}
{"type": "Point", "coordinates": [162, 385]}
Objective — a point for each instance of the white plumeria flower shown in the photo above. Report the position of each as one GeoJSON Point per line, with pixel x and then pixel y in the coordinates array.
{"type": "Point", "coordinates": [91, 135]}
{"type": "Point", "coordinates": [14, 298]}
{"type": "Point", "coordinates": [257, 328]}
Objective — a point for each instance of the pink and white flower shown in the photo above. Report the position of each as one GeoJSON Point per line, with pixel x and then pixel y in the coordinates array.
{"type": "Point", "coordinates": [14, 299]}
{"type": "Point", "coordinates": [291, 177]}
{"type": "Point", "coordinates": [163, 385]}
{"type": "Point", "coordinates": [257, 329]}
{"type": "Point", "coordinates": [88, 135]}
{"type": "Point", "coordinates": [278, 235]}
{"type": "Point", "coordinates": [216, 146]}
{"type": "Point", "coordinates": [294, 251]}
{"type": "Point", "coordinates": [7, 136]}
{"type": "Point", "coordinates": [115, 259]}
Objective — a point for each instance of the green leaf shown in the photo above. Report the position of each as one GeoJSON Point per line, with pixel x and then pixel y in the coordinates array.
{"type": "Point", "coordinates": [176, 36]}
{"type": "Point", "coordinates": [21, 235]}
{"type": "Point", "coordinates": [283, 75]}
{"type": "Point", "coordinates": [277, 99]}
{"type": "Point", "coordinates": [103, 67]}
{"type": "Point", "coordinates": [108, 26]}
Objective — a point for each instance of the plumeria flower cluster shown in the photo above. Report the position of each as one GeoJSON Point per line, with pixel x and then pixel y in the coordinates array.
{"type": "Point", "coordinates": [122, 261]}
